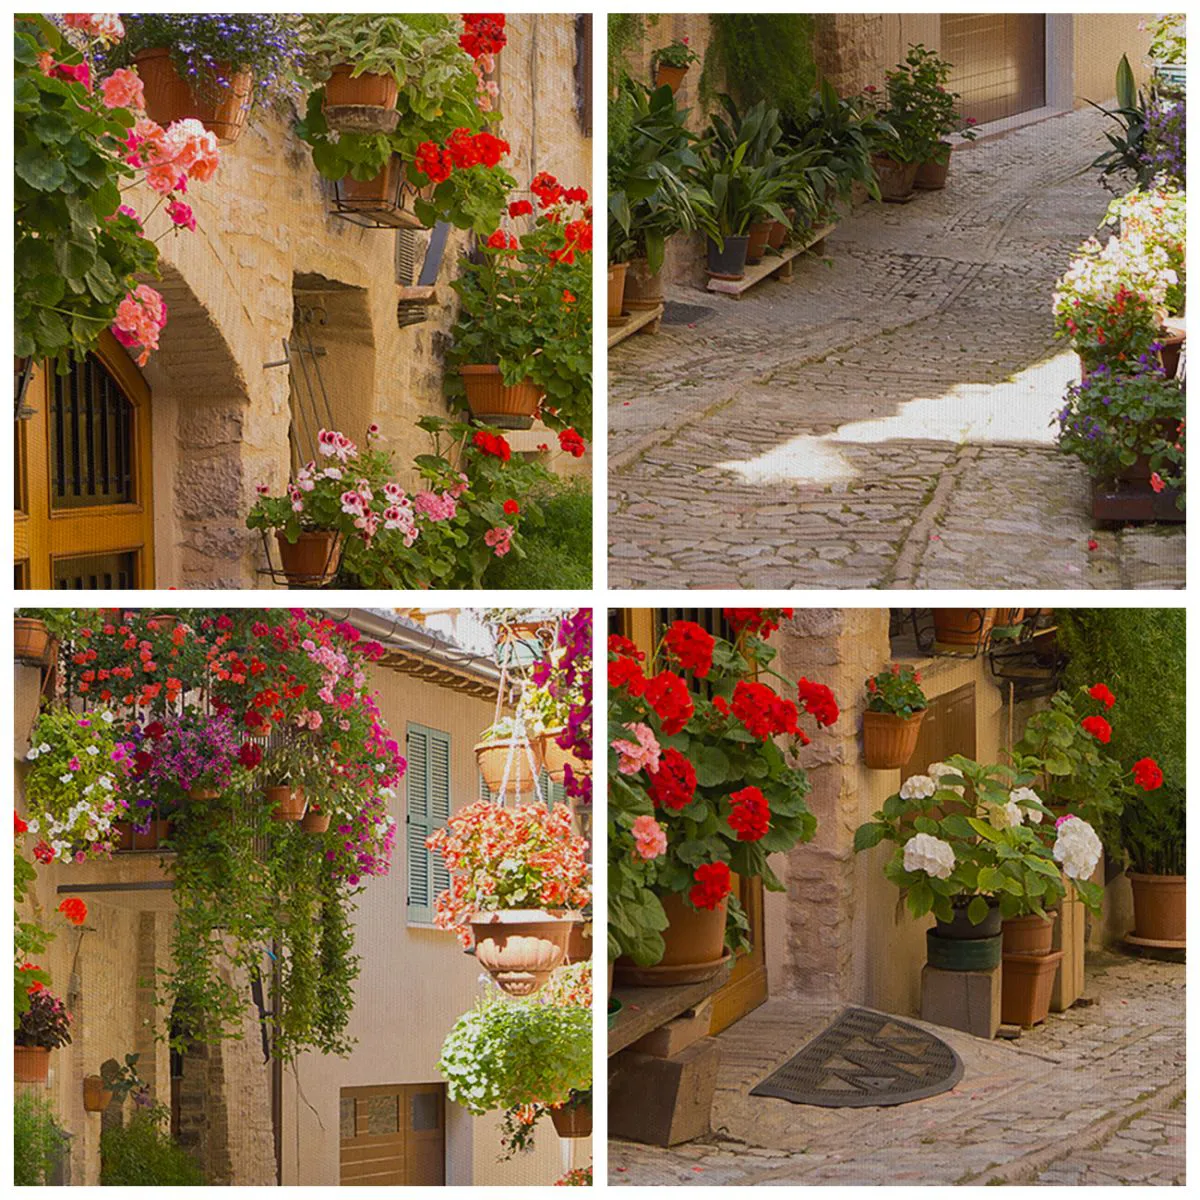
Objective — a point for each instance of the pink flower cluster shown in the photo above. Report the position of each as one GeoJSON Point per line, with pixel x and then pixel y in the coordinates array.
{"type": "Point", "coordinates": [499, 538]}
{"type": "Point", "coordinates": [333, 444]}
{"type": "Point", "coordinates": [106, 27]}
{"type": "Point", "coordinates": [140, 318]}
{"type": "Point", "coordinates": [435, 506]}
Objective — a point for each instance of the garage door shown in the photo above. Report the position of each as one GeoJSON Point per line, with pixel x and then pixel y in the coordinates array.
{"type": "Point", "coordinates": [999, 62]}
{"type": "Point", "coordinates": [393, 1135]}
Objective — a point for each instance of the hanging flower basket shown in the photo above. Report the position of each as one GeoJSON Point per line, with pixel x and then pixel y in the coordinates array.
{"type": "Point", "coordinates": [383, 202]}
{"type": "Point", "coordinates": [315, 821]}
{"type": "Point", "coordinates": [312, 560]}
{"type": "Point", "coordinates": [520, 947]}
{"type": "Point", "coordinates": [667, 76]}
{"type": "Point", "coordinates": [363, 103]}
{"type": "Point", "coordinates": [572, 1121]}
{"type": "Point", "coordinates": [287, 803]}
{"type": "Point", "coordinates": [556, 758]}
{"type": "Point", "coordinates": [492, 757]}
{"type": "Point", "coordinates": [165, 621]}
{"type": "Point", "coordinates": [494, 402]}
{"type": "Point", "coordinates": [31, 640]}
{"type": "Point", "coordinates": [888, 739]}
{"type": "Point", "coordinates": [31, 1064]}
{"type": "Point", "coordinates": [96, 1097]}
{"type": "Point", "coordinates": [170, 97]}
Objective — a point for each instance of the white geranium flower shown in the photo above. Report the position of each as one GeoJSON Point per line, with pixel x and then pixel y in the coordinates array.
{"type": "Point", "coordinates": [1077, 847]}
{"type": "Point", "coordinates": [32, 753]}
{"type": "Point", "coordinates": [1004, 816]}
{"type": "Point", "coordinates": [924, 852]}
{"type": "Point", "coordinates": [34, 826]}
{"type": "Point", "coordinates": [939, 770]}
{"type": "Point", "coordinates": [917, 787]}
{"type": "Point", "coordinates": [1023, 796]}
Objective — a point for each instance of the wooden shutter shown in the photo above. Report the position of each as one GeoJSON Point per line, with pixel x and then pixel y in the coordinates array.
{"type": "Point", "coordinates": [583, 72]}
{"type": "Point", "coordinates": [947, 728]}
{"type": "Point", "coordinates": [427, 808]}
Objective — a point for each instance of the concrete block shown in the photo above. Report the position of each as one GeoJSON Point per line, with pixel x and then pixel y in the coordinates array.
{"type": "Point", "coordinates": [676, 1036]}
{"type": "Point", "coordinates": [663, 1101]}
{"type": "Point", "coordinates": [966, 1000]}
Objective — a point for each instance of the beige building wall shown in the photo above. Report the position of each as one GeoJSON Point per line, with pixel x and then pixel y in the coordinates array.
{"type": "Point", "coordinates": [265, 240]}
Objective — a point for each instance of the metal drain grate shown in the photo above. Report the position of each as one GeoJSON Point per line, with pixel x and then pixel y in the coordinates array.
{"type": "Point", "coordinates": [865, 1059]}
{"type": "Point", "coordinates": [675, 313]}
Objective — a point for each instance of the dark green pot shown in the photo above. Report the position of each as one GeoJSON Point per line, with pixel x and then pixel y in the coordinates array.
{"type": "Point", "coordinates": [963, 954]}
{"type": "Point", "coordinates": [614, 1010]}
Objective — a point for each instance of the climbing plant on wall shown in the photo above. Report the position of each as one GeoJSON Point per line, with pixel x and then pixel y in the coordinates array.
{"type": "Point", "coordinates": [761, 56]}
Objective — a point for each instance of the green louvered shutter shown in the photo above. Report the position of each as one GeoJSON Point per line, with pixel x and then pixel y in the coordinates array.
{"type": "Point", "coordinates": [427, 809]}
{"type": "Point", "coordinates": [552, 793]}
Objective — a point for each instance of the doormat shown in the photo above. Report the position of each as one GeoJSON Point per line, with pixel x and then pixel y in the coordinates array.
{"type": "Point", "coordinates": [865, 1059]}
{"type": "Point", "coordinates": [675, 313]}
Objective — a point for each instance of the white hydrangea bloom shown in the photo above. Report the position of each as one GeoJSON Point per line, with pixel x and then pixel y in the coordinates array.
{"type": "Point", "coordinates": [1077, 847]}
{"type": "Point", "coordinates": [1025, 795]}
{"type": "Point", "coordinates": [917, 787]}
{"type": "Point", "coordinates": [924, 852]}
{"type": "Point", "coordinates": [1004, 816]}
{"type": "Point", "coordinates": [939, 770]}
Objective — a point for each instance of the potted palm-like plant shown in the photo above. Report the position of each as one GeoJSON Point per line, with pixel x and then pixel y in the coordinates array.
{"type": "Point", "coordinates": [896, 706]}
{"type": "Point", "coordinates": [44, 1026]}
{"type": "Point", "coordinates": [519, 877]}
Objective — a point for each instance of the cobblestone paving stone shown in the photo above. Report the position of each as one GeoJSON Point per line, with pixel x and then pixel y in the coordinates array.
{"type": "Point", "coordinates": [884, 419]}
{"type": "Point", "coordinates": [1093, 1096]}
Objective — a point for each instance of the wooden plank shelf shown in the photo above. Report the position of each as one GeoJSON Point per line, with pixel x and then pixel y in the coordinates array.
{"type": "Point", "coordinates": [777, 265]}
{"type": "Point", "coordinates": [647, 319]}
{"type": "Point", "coordinates": [645, 1009]}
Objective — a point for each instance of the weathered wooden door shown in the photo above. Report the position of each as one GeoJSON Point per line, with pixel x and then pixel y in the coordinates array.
{"type": "Point", "coordinates": [393, 1135]}
{"type": "Point", "coordinates": [999, 62]}
{"type": "Point", "coordinates": [83, 511]}
{"type": "Point", "coordinates": [947, 728]}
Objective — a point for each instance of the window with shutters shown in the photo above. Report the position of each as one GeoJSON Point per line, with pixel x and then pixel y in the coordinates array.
{"type": "Point", "coordinates": [552, 793]}
{"type": "Point", "coordinates": [427, 808]}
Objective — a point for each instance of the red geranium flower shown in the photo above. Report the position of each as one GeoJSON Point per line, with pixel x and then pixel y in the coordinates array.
{"type": "Point", "coordinates": [250, 755]}
{"type": "Point", "coordinates": [1098, 727]}
{"type": "Point", "coordinates": [691, 646]}
{"type": "Point", "coordinates": [520, 208]}
{"type": "Point", "coordinates": [511, 507]}
{"type": "Point", "coordinates": [74, 910]}
{"type": "Point", "coordinates": [622, 645]}
{"type": "Point", "coordinates": [673, 785]}
{"type": "Point", "coordinates": [761, 711]}
{"type": "Point", "coordinates": [626, 673]}
{"type": "Point", "coordinates": [667, 694]}
{"type": "Point", "coordinates": [43, 853]}
{"type": "Point", "coordinates": [21, 827]}
{"type": "Point", "coordinates": [493, 444]}
{"type": "Point", "coordinates": [1099, 691]}
{"type": "Point", "coordinates": [572, 443]}
{"type": "Point", "coordinates": [712, 885]}
{"type": "Point", "coordinates": [818, 700]}
{"type": "Point", "coordinates": [751, 815]}
{"type": "Point", "coordinates": [1147, 774]}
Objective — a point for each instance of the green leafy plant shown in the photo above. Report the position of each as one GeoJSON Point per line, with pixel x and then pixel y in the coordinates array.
{"type": "Point", "coordinates": [61, 622]}
{"type": "Point", "coordinates": [732, 194]}
{"type": "Point", "coordinates": [122, 1079]}
{"type": "Point", "coordinates": [143, 1154]}
{"type": "Point", "coordinates": [45, 1023]}
{"type": "Point", "coordinates": [675, 54]}
{"type": "Point", "coordinates": [897, 691]}
{"type": "Point", "coordinates": [921, 110]}
{"type": "Point", "coordinates": [557, 537]}
{"type": "Point", "coordinates": [761, 56]}
{"type": "Point", "coordinates": [38, 1139]}
{"type": "Point", "coordinates": [1128, 156]}
{"type": "Point", "coordinates": [405, 47]}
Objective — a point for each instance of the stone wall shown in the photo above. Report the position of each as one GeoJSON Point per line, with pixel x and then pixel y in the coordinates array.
{"type": "Point", "coordinates": [267, 241]}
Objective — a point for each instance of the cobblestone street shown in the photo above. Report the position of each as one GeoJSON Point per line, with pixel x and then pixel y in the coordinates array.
{"type": "Point", "coordinates": [884, 419]}
{"type": "Point", "coordinates": [1093, 1096]}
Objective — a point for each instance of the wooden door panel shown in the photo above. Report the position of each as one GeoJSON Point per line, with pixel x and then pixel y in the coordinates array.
{"type": "Point", "coordinates": [999, 62]}
{"type": "Point", "coordinates": [947, 728]}
{"type": "Point", "coordinates": [393, 1135]}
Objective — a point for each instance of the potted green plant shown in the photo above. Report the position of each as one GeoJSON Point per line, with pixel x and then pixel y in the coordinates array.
{"type": "Point", "coordinates": [290, 767]}
{"type": "Point", "coordinates": [670, 63]}
{"type": "Point", "coordinates": [43, 1027]}
{"type": "Point", "coordinates": [115, 1081]}
{"type": "Point", "coordinates": [1153, 836]}
{"type": "Point", "coordinates": [519, 876]}
{"type": "Point", "coordinates": [896, 706]}
{"type": "Point", "coordinates": [923, 88]}
{"type": "Point", "coordinates": [510, 755]}
{"type": "Point", "coordinates": [210, 67]}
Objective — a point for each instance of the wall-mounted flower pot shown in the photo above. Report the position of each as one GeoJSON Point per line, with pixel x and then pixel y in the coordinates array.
{"type": "Point", "coordinates": [1160, 909]}
{"type": "Point", "coordinates": [315, 821]}
{"type": "Point", "coordinates": [96, 1097]}
{"type": "Point", "coordinates": [1026, 986]}
{"type": "Point", "coordinates": [203, 793]}
{"type": "Point", "coordinates": [961, 929]}
{"type": "Point", "coordinates": [616, 290]}
{"type": "Point", "coordinates": [931, 174]}
{"type": "Point", "coordinates": [579, 944]}
{"type": "Point", "coordinates": [521, 947]}
{"type": "Point", "coordinates": [1171, 346]}
{"type": "Point", "coordinates": [756, 246]}
{"type": "Point", "coordinates": [666, 76]}
{"type": "Point", "coordinates": [962, 626]}
{"type": "Point", "coordinates": [1029, 935]}
{"type": "Point", "coordinates": [729, 261]}
{"type": "Point", "coordinates": [31, 640]}
{"type": "Point", "coordinates": [31, 1064]}
{"type": "Point", "coordinates": [695, 947]}
{"type": "Point", "coordinates": [962, 954]}
{"type": "Point", "coordinates": [170, 97]}
{"type": "Point", "coordinates": [287, 803]}
{"type": "Point", "coordinates": [895, 178]}
{"type": "Point", "coordinates": [152, 837]}
{"type": "Point", "coordinates": [493, 757]}
{"type": "Point", "coordinates": [385, 201]}
{"type": "Point", "coordinates": [888, 739]}
{"type": "Point", "coordinates": [643, 287]}
{"type": "Point", "coordinates": [575, 1122]}
{"type": "Point", "coordinates": [494, 402]}
{"type": "Point", "coordinates": [312, 560]}
{"type": "Point", "coordinates": [363, 103]}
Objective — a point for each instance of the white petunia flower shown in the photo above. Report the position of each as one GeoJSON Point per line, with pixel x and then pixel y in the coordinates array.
{"type": "Point", "coordinates": [44, 748]}
{"type": "Point", "coordinates": [107, 718]}
{"type": "Point", "coordinates": [34, 826]}
{"type": "Point", "coordinates": [1077, 847]}
{"type": "Point", "coordinates": [917, 787]}
{"type": "Point", "coordinates": [924, 852]}
{"type": "Point", "coordinates": [66, 778]}
{"type": "Point", "coordinates": [92, 750]}
{"type": "Point", "coordinates": [32, 753]}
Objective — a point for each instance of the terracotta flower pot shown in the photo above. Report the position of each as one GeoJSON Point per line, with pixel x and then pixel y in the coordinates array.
{"type": "Point", "coordinates": [756, 247]}
{"type": "Point", "coordinates": [31, 1064]}
{"type": "Point", "coordinates": [643, 287]}
{"type": "Point", "coordinates": [385, 197]}
{"type": "Point", "coordinates": [364, 103]}
{"type": "Point", "coordinates": [573, 1122]}
{"type": "Point", "coordinates": [1159, 907]}
{"type": "Point", "coordinates": [495, 402]}
{"type": "Point", "coordinates": [777, 235]}
{"type": "Point", "coordinates": [124, 835]}
{"type": "Point", "coordinates": [895, 178]}
{"type": "Point", "coordinates": [1029, 935]}
{"type": "Point", "coordinates": [889, 740]}
{"type": "Point", "coordinates": [695, 947]}
{"type": "Point", "coordinates": [315, 822]}
{"type": "Point", "coordinates": [96, 1097]}
{"type": "Point", "coordinates": [312, 559]}
{"type": "Point", "coordinates": [579, 944]}
{"type": "Point", "coordinates": [671, 77]}
{"type": "Point", "coordinates": [1171, 344]}
{"type": "Point", "coordinates": [287, 803]}
{"type": "Point", "coordinates": [158, 832]}
{"type": "Point", "coordinates": [165, 621]}
{"type": "Point", "coordinates": [931, 174]}
{"type": "Point", "coordinates": [170, 97]}
{"type": "Point", "coordinates": [520, 947]}
{"type": "Point", "coordinates": [31, 640]}
{"type": "Point", "coordinates": [962, 626]}
{"type": "Point", "coordinates": [1026, 986]}
{"type": "Point", "coordinates": [492, 757]}
{"type": "Point", "coordinates": [616, 290]}
{"type": "Point", "coordinates": [203, 793]}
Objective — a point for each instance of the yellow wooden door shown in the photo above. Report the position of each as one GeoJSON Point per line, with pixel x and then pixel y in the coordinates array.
{"type": "Point", "coordinates": [747, 985]}
{"type": "Point", "coordinates": [83, 511]}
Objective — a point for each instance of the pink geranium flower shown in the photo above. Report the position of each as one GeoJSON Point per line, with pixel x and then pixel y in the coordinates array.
{"type": "Point", "coordinates": [650, 839]}
{"type": "Point", "coordinates": [640, 755]}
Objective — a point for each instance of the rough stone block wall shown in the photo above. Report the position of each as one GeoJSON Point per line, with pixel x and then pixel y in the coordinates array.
{"type": "Point", "coordinates": [848, 49]}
